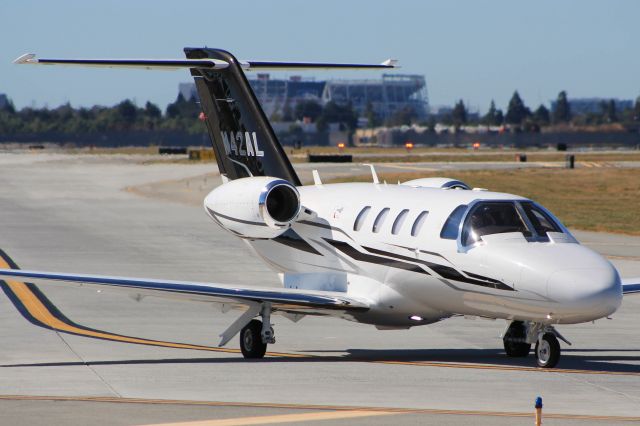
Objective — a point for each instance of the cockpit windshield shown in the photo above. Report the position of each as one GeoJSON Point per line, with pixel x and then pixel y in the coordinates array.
{"type": "Point", "coordinates": [499, 217]}
{"type": "Point", "coordinates": [492, 218]}
{"type": "Point", "coordinates": [540, 220]}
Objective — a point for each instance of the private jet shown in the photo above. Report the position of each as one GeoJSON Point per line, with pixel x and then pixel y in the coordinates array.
{"type": "Point", "coordinates": [393, 256]}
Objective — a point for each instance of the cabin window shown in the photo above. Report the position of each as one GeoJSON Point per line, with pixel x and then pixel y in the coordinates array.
{"type": "Point", "coordinates": [361, 217]}
{"type": "Point", "coordinates": [397, 224]}
{"type": "Point", "coordinates": [540, 220]}
{"type": "Point", "coordinates": [377, 224]}
{"type": "Point", "coordinates": [452, 224]}
{"type": "Point", "coordinates": [493, 217]}
{"type": "Point", "coordinates": [417, 224]}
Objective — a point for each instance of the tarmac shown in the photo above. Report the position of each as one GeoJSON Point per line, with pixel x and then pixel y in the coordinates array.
{"type": "Point", "coordinates": [76, 356]}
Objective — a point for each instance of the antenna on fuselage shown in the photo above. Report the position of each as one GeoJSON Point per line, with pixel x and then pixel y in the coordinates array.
{"type": "Point", "coordinates": [373, 173]}
{"type": "Point", "coordinates": [316, 178]}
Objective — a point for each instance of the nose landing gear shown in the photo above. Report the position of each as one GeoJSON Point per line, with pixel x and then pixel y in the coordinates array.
{"type": "Point", "coordinates": [547, 350]}
{"type": "Point", "coordinates": [520, 335]}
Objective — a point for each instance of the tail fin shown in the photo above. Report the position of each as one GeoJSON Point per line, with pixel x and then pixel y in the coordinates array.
{"type": "Point", "coordinates": [242, 138]}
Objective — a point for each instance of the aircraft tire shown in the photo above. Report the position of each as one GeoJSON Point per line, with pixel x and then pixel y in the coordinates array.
{"type": "Point", "coordinates": [251, 343]}
{"type": "Point", "coordinates": [548, 351]}
{"type": "Point", "coordinates": [513, 348]}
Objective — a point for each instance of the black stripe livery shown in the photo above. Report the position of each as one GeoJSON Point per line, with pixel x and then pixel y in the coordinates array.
{"type": "Point", "coordinates": [347, 249]}
{"type": "Point", "coordinates": [291, 239]}
{"type": "Point", "coordinates": [448, 272]}
{"type": "Point", "coordinates": [234, 219]}
{"type": "Point", "coordinates": [442, 270]}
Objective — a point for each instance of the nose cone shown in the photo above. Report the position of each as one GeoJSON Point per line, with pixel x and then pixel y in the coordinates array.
{"type": "Point", "coordinates": [586, 294]}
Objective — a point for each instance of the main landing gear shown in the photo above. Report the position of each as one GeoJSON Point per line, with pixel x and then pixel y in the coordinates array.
{"type": "Point", "coordinates": [255, 336]}
{"type": "Point", "coordinates": [520, 335]}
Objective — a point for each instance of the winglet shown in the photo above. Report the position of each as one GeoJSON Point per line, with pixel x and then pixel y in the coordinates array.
{"type": "Point", "coordinates": [27, 58]}
{"type": "Point", "coordinates": [391, 63]}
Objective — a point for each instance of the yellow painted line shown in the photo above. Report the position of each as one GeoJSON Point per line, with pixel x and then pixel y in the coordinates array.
{"type": "Point", "coordinates": [281, 418]}
{"type": "Point", "coordinates": [330, 408]}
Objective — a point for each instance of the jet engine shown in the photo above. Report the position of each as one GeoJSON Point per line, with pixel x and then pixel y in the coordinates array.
{"type": "Point", "coordinates": [254, 207]}
{"type": "Point", "coordinates": [437, 182]}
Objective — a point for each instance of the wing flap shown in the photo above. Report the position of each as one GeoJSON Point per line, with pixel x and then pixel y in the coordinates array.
{"type": "Point", "coordinates": [286, 300]}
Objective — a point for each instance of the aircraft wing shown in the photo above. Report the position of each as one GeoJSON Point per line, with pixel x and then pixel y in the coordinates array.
{"type": "Point", "coordinates": [294, 301]}
{"type": "Point", "coordinates": [630, 285]}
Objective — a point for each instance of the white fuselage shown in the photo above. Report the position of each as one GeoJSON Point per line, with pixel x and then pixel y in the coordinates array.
{"type": "Point", "coordinates": [413, 276]}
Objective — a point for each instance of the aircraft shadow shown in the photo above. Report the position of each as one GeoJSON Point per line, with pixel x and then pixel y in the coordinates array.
{"type": "Point", "coordinates": [587, 359]}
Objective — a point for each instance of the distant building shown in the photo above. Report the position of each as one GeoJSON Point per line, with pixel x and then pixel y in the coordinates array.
{"type": "Point", "coordinates": [593, 105]}
{"type": "Point", "coordinates": [392, 93]}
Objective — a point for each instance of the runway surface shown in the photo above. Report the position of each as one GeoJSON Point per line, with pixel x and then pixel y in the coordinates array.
{"type": "Point", "coordinates": [155, 361]}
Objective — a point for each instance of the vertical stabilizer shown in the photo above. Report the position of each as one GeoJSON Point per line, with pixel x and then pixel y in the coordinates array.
{"type": "Point", "coordinates": [242, 138]}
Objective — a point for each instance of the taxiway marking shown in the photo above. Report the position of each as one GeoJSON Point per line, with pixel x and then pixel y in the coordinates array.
{"type": "Point", "coordinates": [330, 408]}
{"type": "Point", "coordinates": [281, 418]}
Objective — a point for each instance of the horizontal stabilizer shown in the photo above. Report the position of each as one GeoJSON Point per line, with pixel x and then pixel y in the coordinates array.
{"type": "Point", "coordinates": [283, 66]}
{"type": "Point", "coordinates": [150, 64]}
{"type": "Point", "coordinates": [214, 64]}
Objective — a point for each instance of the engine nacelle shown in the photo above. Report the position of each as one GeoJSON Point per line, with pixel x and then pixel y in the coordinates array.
{"type": "Point", "coordinates": [437, 182]}
{"type": "Point", "coordinates": [254, 207]}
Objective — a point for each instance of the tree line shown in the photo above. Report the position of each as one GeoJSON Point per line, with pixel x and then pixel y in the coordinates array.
{"type": "Point", "coordinates": [518, 115]}
{"type": "Point", "coordinates": [181, 116]}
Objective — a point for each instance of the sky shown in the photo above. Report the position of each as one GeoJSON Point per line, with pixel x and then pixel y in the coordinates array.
{"type": "Point", "coordinates": [470, 50]}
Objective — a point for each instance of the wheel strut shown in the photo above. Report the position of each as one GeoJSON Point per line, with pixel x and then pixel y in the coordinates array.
{"type": "Point", "coordinates": [267, 333]}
